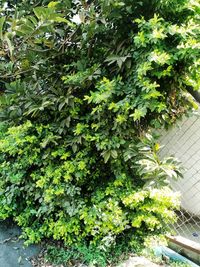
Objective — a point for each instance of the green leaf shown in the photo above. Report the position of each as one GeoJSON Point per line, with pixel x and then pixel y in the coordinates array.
{"type": "Point", "coordinates": [106, 155]}
{"type": "Point", "coordinates": [53, 4]}
{"type": "Point", "coordinates": [60, 20]}
{"type": "Point", "coordinates": [10, 45]}
{"type": "Point", "coordinates": [120, 60]}
{"type": "Point", "coordinates": [42, 13]}
{"type": "Point", "coordinates": [139, 113]}
{"type": "Point", "coordinates": [2, 21]}
{"type": "Point", "coordinates": [61, 105]}
{"type": "Point", "coordinates": [114, 153]}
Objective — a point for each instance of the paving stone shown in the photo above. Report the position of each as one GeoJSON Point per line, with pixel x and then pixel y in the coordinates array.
{"type": "Point", "coordinates": [138, 262]}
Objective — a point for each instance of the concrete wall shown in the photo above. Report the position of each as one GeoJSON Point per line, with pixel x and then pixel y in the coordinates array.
{"type": "Point", "coordinates": [183, 141]}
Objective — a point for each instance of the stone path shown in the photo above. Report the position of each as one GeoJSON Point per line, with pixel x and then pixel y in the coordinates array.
{"type": "Point", "coordinates": [138, 262]}
{"type": "Point", "coordinates": [12, 251]}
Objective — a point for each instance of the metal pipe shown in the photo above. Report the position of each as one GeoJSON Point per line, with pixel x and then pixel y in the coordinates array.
{"type": "Point", "coordinates": [171, 254]}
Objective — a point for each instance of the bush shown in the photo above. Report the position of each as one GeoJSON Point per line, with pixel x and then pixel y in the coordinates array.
{"type": "Point", "coordinates": [52, 191]}
{"type": "Point", "coordinates": [82, 83]}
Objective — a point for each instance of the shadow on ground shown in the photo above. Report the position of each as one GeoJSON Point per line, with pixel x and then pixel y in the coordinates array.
{"type": "Point", "coordinates": [13, 253]}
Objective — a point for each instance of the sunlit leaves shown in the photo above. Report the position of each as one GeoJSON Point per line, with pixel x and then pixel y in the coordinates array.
{"type": "Point", "coordinates": [159, 57]}
{"type": "Point", "coordinates": [139, 113]}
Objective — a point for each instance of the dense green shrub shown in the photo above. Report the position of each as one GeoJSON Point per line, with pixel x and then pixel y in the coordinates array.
{"type": "Point", "coordinates": [52, 191]}
{"type": "Point", "coordinates": [82, 82]}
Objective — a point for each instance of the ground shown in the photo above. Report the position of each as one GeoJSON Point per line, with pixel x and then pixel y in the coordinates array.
{"type": "Point", "coordinates": [12, 251]}
{"type": "Point", "coordinates": [14, 254]}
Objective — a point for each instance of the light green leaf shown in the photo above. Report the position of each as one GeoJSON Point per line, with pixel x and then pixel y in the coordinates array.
{"type": "Point", "coordinates": [42, 13]}
{"type": "Point", "coordinates": [53, 4]}
{"type": "Point", "coordinates": [139, 113]}
{"type": "Point", "coordinates": [2, 20]}
{"type": "Point", "coordinates": [114, 154]}
{"type": "Point", "coordinates": [10, 45]}
{"type": "Point", "coordinates": [60, 19]}
{"type": "Point", "coordinates": [106, 155]}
